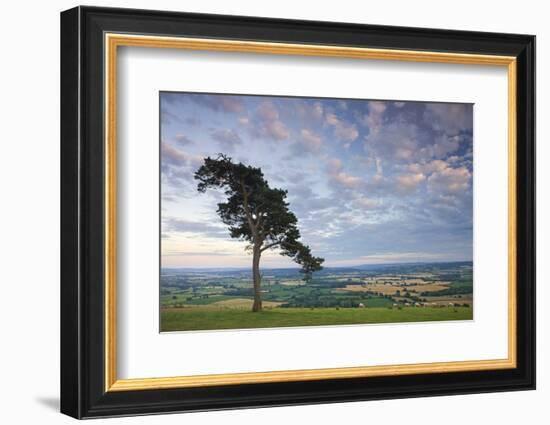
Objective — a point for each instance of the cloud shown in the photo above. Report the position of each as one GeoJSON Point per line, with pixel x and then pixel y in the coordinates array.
{"type": "Point", "coordinates": [449, 118]}
{"type": "Point", "coordinates": [428, 168]}
{"type": "Point", "coordinates": [310, 141]}
{"type": "Point", "coordinates": [396, 141]}
{"type": "Point", "coordinates": [168, 198]}
{"type": "Point", "coordinates": [443, 146]}
{"type": "Point", "coordinates": [266, 123]}
{"type": "Point", "coordinates": [170, 112]}
{"type": "Point", "coordinates": [377, 107]}
{"type": "Point", "coordinates": [306, 203]}
{"type": "Point", "coordinates": [375, 118]}
{"type": "Point", "coordinates": [231, 104]}
{"type": "Point", "coordinates": [343, 130]}
{"type": "Point", "coordinates": [170, 156]}
{"type": "Point", "coordinates": [376, 183]}
{"type": "Point", "coordinates": [332, 119]}
{"type": "Point", "coordinates": [178, 225]}
{"type": "Point", "coordinates": [442, 176]}
{"type": "Point", "coordinates": [276, 130]}
{"type": "Point", "coordinates": [182, 139]}
{"type": "Point", "coordinates": [267, 111]}
{"type": "Point", "coordinates": [336, 174]}
{"type": "Point", "coordinates": [317, 110]}
{"type": "Point", "coordinates": [402, 257]}
{"type": "Point", "coordinates": [168, 117]}
{"type": "Point", "coordinates": [346, 132]}
{"type": "Point", "coordinates": [450, 180]}
{"type": "Point", "coordinates": [219, 102]}
{"type": "Point", "coordinates": [334, 165]}
{"type": "Point", "coordinates": [419, 132]}
{"type": "Point", "coordinates": [227, 138]}
{"type": "Point", "coordinates": [177, 168]}
{"type": "Point", "coordinates": [308, 111]}
{"type": "Point", "coordinates": [192, 121]}
{"type": "Point", "coordinates": [410, 181]}
{"type": "Point", "coordinates": [367, 203]}
{"type": "Point", "coordinates": [166, 253]}
{"type": "Point", "coordinates": [347, 180]}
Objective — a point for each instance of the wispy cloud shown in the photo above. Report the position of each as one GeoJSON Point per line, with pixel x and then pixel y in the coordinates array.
{"type": "Point", "coordinates": [172, 224]}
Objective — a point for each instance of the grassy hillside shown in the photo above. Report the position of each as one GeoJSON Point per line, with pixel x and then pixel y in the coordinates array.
{"type": "Point", "coordinates": [185, 319]}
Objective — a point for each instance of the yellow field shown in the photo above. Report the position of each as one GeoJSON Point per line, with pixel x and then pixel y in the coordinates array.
{"type": "Point", "coordinates": [391, 289]}
{"type": "Point", "coordinates": [293, 283]}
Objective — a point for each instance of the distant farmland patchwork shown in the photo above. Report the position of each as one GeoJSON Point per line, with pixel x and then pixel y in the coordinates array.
{"type": "Point", "coordinates": [194, 299]}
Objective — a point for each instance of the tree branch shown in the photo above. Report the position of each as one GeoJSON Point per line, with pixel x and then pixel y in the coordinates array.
{"type": "Point", "coordinates": [270, 245]}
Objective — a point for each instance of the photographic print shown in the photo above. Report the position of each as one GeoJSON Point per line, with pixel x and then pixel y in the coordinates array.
{"type": "Point", "coordinates": [319, 195]}
{"type": "Point", "coordinates": [296, 211]}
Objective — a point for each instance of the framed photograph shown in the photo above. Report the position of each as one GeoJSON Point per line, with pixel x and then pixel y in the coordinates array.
{"type": "Point", "coordinates": [261, 212]}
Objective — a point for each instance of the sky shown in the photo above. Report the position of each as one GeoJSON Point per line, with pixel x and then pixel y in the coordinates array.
{"type": "Point", "coordinates": [370, 181]}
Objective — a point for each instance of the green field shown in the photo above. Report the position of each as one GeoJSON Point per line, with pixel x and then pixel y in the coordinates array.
{"type": "Point", "coordinates": [196, 318]}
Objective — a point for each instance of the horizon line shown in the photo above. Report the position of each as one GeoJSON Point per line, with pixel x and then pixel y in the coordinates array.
{"type": "Point", "coordinates": [325, 267]}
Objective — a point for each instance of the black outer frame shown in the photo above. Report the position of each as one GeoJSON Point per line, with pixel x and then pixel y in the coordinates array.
{"type": "Point", "coordinates": [82, 219]}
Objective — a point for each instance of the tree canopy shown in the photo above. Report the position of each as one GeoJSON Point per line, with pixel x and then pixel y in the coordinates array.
{"type": "Point", "coordinates": [255, 212]}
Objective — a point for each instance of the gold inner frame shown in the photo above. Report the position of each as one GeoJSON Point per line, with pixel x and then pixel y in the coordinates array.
{"type": "Point", "coordinates": [113, 41]}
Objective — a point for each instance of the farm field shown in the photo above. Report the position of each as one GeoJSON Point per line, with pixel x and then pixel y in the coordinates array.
{"type": "Point", "coordinates": [195, 299]}
{"type": "Point", "coordinates": [207, 318]}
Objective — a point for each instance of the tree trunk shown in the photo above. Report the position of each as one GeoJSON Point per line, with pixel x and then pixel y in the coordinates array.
{"type": "Point", "coordinates": [257, 279]}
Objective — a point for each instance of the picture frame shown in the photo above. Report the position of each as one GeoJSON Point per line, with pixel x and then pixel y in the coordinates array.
{"type": "Point", "coordinates": [90, 40]}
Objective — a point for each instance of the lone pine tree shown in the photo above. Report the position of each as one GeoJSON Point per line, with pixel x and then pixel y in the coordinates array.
{"type": "Point", "coordinates": [257, 214]}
